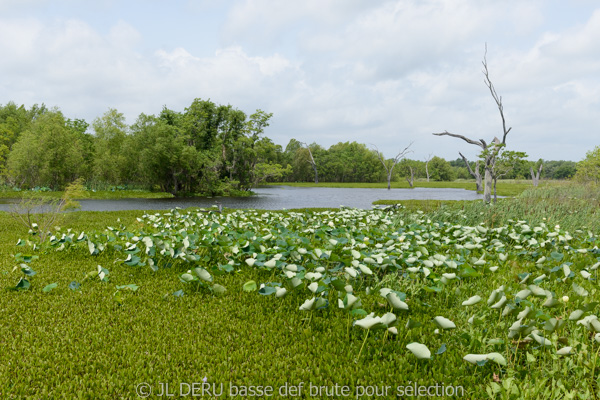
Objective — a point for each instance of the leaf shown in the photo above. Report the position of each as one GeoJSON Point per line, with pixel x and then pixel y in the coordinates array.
{"type": "Point", "coordinates": [497, 358]}
{"type": "Point", "coordinates": [185, 278]}
{"type": "Point", "coordinates": [395, 301]}
{"type": "Point", "coordinates": [218, 289]}
{"type": "Point", "coordinates": [419, 350]}
{"type": "Point", "coordinates": [472, 300]}
{"type": "Point", "coordinates": [132, 260]}
{"type": "Point", "coordinates": [556, 256]}
{"type": "Point", "coordinates": [249, 286]}
{"type": "Point", "coordinates": [441, 350]}
{"type": "Point", "coordinates": [267, 290]}
{"type": "Point", "coordinates": [23, 284]}
{"type": "Point", "coordinates": [103, 274]}
{"type": "Point", "coordinates": [203, 274]}
{"type": "Point", "coordinates": [411, 324]}
{"type": "Point", "coordinates": [579, 291]}
{"type": "Point", "coordinates": [132, 286]}
{"type": "Point", "coordinates": [26, 269]}
{"type": "Point", "coordinates": [479, 359]}
{"type": "Point", "coordinates": [92, 247]}
{"type": "Point", "coordinates": [178, 293]}
{"type": "Point", "coordinates": [48, 288]}
{"type": "Point", "coordinates": [444, 323]}
{"type": "Point", "coordinates": [308, 305]}
{"type": "Point", "coordinates": [338, 284]}
{"type": "Point", "coordinates": [75, 286]}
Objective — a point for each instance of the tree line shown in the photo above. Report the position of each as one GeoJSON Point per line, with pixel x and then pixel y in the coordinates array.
{"type": "Point", "coordinates": [206, 148]}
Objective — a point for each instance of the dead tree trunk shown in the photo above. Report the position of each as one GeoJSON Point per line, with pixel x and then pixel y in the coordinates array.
{"type": "Point", "coordinates": [389, 169]}
{"type": "Point", "coordinates": [536, 176]}
{"type": "Point", "coordinates": [411, 179]}
{"type": "Point", "coordinates": [489, 156]}
{"type": "Point", "coordinates": [475, 174]}
{"type": "Point", "coordinates": [427, 166]}
{"type": "Point", "coordinates": [312, 162]}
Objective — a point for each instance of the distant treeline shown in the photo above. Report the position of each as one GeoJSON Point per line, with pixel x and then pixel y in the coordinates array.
{"type": "Point", "coordinates": [207, 148]}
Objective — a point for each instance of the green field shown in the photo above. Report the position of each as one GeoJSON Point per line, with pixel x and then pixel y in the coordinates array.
{"type": "Point", "coordinates": [101, 311]}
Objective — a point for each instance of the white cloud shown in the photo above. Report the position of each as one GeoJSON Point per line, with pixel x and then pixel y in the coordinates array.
{"type": "Point", "coordinates": [382, 72]}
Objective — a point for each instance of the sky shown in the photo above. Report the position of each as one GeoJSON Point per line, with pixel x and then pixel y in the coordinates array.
{"type": "Point", "coordinates": [383, 73]}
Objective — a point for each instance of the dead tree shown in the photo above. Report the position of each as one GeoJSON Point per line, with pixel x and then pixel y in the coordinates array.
{"type": "Point", "coordinates": [411, 178]}
{"type": "Point", "coordinates": [389, 167]}
{"type": "Point", "coordinates": [427, 166]}
{"type": "Point", "coordinates": [312, 162]}
{"type": "Point", "coordinates": [475, 174]}
{"type": "Point", "coordinates": [536, 176]}
{"type": "Point", "coordinates": [490, 156]}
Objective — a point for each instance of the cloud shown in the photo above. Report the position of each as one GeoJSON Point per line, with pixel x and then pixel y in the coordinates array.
{"type": "Point", "coordinates": [381, 72]}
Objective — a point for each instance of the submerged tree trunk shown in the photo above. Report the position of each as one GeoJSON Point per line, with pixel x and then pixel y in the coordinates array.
{"type": "Point", "coordinates": [389, 169]}
{"type": "Point", "coordinates": [487, 188]}
{"type": "Point", "coordinates": [411, 179]}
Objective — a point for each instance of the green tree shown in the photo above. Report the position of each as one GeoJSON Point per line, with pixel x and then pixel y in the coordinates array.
{"type": "Point", "coordinates": [14, 121]}
{"type": "Point", "coordinates": [588, 169]}
{"type": "Point", "coordinates": [441, 170]}
{"type": "Point", "coordinates": [49, 153]}
{"type": "Point", "coordinates": [109, 165]}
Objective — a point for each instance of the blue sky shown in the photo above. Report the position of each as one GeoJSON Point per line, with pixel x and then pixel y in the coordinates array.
{"type": "Point", "coordinates": [379, 72]}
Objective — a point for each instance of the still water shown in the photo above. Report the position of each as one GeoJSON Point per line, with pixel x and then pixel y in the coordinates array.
{"type": "Point", "coordinates": [280, 197]}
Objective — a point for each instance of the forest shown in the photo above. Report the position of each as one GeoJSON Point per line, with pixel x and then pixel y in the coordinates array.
{"type": "Point", "coordinates": [205, 149]}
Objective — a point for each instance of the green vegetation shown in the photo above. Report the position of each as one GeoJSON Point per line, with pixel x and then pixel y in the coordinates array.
{"type": "Point", "coordinates": [493, 298]}
{"type": "Point", "coordinates": [92, 194]}
{"type": "Point", "coordinates": [505, 187]}
{"type": "Point", "coordinates": [207, 149]}
{"type": "Point", "coordinates": [588, 169]}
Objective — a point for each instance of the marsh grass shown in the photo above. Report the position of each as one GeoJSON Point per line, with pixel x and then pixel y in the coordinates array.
{"type": "Point", "coordinates": [89, 194]}
{"type": "Point", "coordinates": [505, 187]}
{"type": "Point", "coordinates": [82, 344]}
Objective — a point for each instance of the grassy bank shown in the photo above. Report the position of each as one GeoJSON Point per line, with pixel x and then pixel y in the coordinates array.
{"type": "Point", "coordinates": [96, 336]}
{"type": "Point", "coordinates": [99, 194]}
{"type": "Point", "coordinates": [505, 187]}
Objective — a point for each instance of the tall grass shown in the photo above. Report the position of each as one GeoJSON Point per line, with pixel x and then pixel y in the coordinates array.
{"type": "Point", "coordinates": [572, 206]}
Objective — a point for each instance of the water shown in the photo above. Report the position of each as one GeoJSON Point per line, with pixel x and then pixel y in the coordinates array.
{"type": "Point", "coordinates": [280, 197]}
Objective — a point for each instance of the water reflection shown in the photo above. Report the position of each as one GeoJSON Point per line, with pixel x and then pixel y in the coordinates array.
{"type": "Point", "coordinates": [280, 197]}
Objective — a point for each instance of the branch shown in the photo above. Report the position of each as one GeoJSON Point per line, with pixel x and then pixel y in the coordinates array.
{"type": "Point", "coordinates": [312, 160]}
{"type": "Point", "coordinates": [481, 143]}
{"type": "Point", "coordinates": [497, 99]}
{"type": "Point", "coordinates": [468, 166]}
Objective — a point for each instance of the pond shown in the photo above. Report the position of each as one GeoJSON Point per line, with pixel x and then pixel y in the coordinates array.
{"type": "Point", "coordinates": [280, 197]}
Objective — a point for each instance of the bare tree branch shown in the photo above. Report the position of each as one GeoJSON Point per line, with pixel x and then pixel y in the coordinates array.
{"type": "Point", "coordinates": [476, 175]}
{"type": "Point", "coordinates": [395, 160]}
{"type": "Point", "coordinates": [481, 143]}
{"type": "Point", "coordinates": [497, 99]}
{"type": "Point", "coordinates": [312, 162]}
